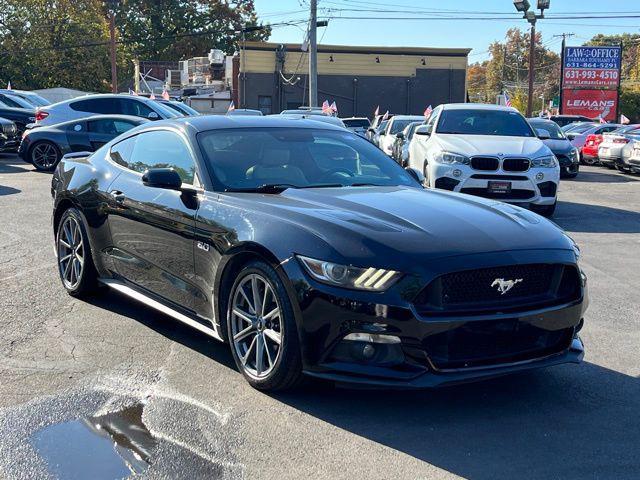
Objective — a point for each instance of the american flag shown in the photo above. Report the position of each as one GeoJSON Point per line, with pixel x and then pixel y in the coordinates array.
{"type": "Point", "coordinates": [326, 108]}
{"type": "Point", "coordinates": [165, 94]}
{"type": "Point", "coordinates": [152, 96]}
{"type": "Point", "coordinates": [385, 116]}
{"type": "Point", "coordinates": [427, 111]}
{"type": "Point", "coordinates": [334, 108]}
{"type": "Point", "coordinates": [507, 100]}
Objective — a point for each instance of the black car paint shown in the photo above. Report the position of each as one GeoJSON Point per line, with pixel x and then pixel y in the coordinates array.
{"type": "Point", "coordinates": [72, 136]}
{"type": "Point", "coordinates": [9, 136]}
{"type": "Point", "coordinates": [20, 116]}
{"type": "Point", "coordinates": [176, 246]}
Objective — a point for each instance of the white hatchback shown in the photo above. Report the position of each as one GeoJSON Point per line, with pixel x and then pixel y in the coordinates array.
{"type": "Point", "coordinates": [489, 151]}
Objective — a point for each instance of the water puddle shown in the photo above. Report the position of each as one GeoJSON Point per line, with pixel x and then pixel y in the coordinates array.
{"type": "Point", "coordinates": [107, 447]}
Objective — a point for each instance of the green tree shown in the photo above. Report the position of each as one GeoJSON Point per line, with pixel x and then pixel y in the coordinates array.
{"type": "Point", "coordinates": [46, 43]}
{"type": "Point", "coordinates": [508, 69]}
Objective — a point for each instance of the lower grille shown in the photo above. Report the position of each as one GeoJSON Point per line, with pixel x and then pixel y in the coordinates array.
{"type": "Point", "coordinates": [485, 163]}
{"type": "Point", "coordinates": [514, 194]}
{"type": "Point", "coordinates": [485, 343]}
{"type": "Point", "coordinates": [480, 291]}
{"type": "Point", "coordinates": [516, 164]}
{"type": "Point", "coordinates": [547, 189]}
{"type": "Point", "coordinates": [446, 183]}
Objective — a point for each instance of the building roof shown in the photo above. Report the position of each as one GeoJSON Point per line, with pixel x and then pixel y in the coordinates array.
{"type": "Point", "coordinates": [421, 51]}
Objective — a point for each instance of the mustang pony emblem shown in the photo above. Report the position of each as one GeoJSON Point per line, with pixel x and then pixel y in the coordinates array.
{"type": "Point", "coordinates": [505, 285]}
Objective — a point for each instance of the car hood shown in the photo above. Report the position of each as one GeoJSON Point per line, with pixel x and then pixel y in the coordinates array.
{"type": "Point", "coordinates": [370, 225]}
{"type": "Point", "coordinates": [471, 145]}
{"type": "Point", "coordinates": [559, 146]}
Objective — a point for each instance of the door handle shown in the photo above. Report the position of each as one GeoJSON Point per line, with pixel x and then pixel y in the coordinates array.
{"type": "Point", "coordinates": [118, 196]}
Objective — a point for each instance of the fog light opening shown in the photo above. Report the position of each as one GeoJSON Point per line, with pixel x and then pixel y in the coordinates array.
{"type": "Point", "coordinates": [372, 338]}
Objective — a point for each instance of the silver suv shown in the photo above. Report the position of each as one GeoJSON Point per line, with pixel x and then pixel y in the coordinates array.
{"type": "Point", "coordinates": [107, 104]}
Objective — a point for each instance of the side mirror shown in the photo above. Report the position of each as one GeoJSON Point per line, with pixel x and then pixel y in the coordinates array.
{"type": "Point", "coordinates": [153, 116]}
{"type": "Point", "coordinates": [422, 130]}
{"type": "Point", "coordinates": [166, 178]}
{"type": "Point", "coordinates": [543, 134]}
{"type": "Point", "coordinates": [400, 135]}
{"type": "Point", "coordinates": [415, 173]}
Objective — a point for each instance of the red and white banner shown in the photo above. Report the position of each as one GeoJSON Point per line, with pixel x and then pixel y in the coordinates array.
{"type": "Point", "coordinates": [590, 103]}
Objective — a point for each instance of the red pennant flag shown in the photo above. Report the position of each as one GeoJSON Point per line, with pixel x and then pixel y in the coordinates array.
{"type": "Point", "coordinates": [232, 107]}
{"type": "Point", "coordinates": [334, 108]}
{"type": "Point", "coordinates": [385, 116]}
{"type": "Point", "coordinates": [9, 85]}
{"type": "Point", "coordinates": [377, 112]}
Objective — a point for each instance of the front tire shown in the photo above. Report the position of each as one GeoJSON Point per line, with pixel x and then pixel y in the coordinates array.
{"type": "Point", "coordinates": [45, 156]}
{"type": "Point", "coordinates": [75, 264]}
{"type": "Point", "coordinates": [262, 330]}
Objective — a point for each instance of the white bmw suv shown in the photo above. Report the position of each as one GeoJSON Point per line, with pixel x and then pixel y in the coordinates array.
{"type": "Point", "coordinates": [488, 151]}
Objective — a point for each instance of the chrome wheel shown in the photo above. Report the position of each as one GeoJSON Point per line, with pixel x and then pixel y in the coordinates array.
{"type": "Point", "coordinates": [256, 325]}
{"type": "Point", "coordinates": [71, 253]}
{"type": "Point", "coordinates": [44, 156]}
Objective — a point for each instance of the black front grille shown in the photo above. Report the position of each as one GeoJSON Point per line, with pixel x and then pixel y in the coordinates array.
{"type": "Point", "coordinates": [514, 194]}
{"type": "Point", "coordinates": [446, 183]}
{"type": "Point", "coordinates": [516, 164]}
{"type": "Point", "coordinates": [485, 163]}
{"type": "Point", "coordinates": [480, 291]}
{"type": "Point", "coordinates": [490, 342]}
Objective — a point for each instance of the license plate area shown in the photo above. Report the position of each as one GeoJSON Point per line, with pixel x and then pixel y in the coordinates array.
{"type": "Point", "coordinates": [499, 187]}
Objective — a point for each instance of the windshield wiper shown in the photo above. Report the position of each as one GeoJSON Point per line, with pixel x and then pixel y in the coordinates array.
{"type": "Point", "coordinates": [363, 184]}
{"type": "Point", "coordinates": [265, 188]}
{"type": "Point", "coordinates": [323, 185]}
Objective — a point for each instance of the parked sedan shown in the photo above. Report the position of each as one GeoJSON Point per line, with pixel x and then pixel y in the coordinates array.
{"type": "Point", "coordinates": [311, 252]}
{"type": "Point", "coordinates": [396, 125]}
{"type": "Point", "coordinates": [20, 116]}
{"type": "Point", "coordinates": [9, 136]}
{"type": "Point", "coordinates": [358, 125]}
{"type": "Point", "coordinates": [33, 98]}
{"type": "Point", "coordinates": [106, 104]}
{"type": "Point", "coordinates": [44, 146]}
{"type": "Point", "coordinates": [551, 135]}
{"type": "Point", "coordinates": [578, 136]}
{"type": "Point", "coordinates": [400, 151]}
{"type": "Point", "coordinates": [610, 149]}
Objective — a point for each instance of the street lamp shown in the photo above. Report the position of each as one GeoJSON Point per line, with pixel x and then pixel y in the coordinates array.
{"type": "Point", "coordinates": [523, 7]}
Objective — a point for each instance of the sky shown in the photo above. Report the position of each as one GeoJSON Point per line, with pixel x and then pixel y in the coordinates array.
{"type": "Point", "coordinates": [413, 31]}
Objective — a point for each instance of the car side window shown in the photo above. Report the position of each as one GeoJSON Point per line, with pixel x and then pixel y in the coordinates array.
{"type": "Point", "coordinates": [109, 126]}
{"type": "Point", "coordinates": [432, 118]}
{"type": "Point", "coordinates": [96, 105]}
{"type": "Point", "coordinates": [121, 152]}
{"type": "Point", "coordinates": [134, 107]}
{"type": "Point", "coordinates": [162, 149]}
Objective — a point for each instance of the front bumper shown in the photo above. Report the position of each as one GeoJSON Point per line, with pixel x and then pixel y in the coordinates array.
{"type": "Point", "coordinates": [526, 187]}
{"type": "Point", "coordinates": [325, 315]}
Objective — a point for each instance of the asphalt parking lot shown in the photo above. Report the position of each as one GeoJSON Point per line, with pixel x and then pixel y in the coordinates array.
{"type": "Point", "coordinates": [63, 359]}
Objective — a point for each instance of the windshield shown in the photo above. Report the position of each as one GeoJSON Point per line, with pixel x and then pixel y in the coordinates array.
{"type": "Point", "coordinates": [356, 122]}
{"type": "Point", "coordinates": [383, 125]}
{"type": "Point", "coordinates": [167, 111]}
{"type": "Point", "coordinates": [36, 100]}
{"type": "Point", "coordinates": [583, 127]}
{"type": "Point", "coordinates": [548, 129]}
{"type": "Point", "coordinates": [14, 101]}
{"type": "Point", "coordinates": [627, 129]}
{"type": "Point", "coordinates": [483, 122]}
{"type": "Point", "coordinates": [249, 158]}
{"type": "Point", "coordinates": [399, 125]}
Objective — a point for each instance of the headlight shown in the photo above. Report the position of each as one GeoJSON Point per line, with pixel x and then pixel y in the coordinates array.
{"type": "Point", "coordinates": [372, 279]}
{"type": "Point", "coordinates": [452, 158]}
{"type": "Point", "coordinates": [548, 161]}
{"type": "Point", "coordinates": [575, 154]}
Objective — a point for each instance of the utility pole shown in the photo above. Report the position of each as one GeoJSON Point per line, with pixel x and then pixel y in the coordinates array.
{"type": "Point", "coordinates": [112, 48]}
{"type": "Point", "coordinates": [532, 54]}
{"type": "Point", "coordinates": [564, 42]}
{"type": "Point", "coordinates": [313, 55]}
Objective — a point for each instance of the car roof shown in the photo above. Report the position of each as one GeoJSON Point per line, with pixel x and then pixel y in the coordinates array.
{"type": "Point", "coordinates": [114, 116]}
{"type": "Point", "coordinates": [408, 117]}
{"type": "Point", "coordinates": [213, 122]}
{"type": "Point", "coordinates": [96, 95]}
{"type": "Point", "coordinates": [477, 106]}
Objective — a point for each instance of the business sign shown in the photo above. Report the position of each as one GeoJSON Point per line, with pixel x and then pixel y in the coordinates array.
{"type": "Point", "coordinates": [590, 103]}
{"type": "Point", "coordinates": [592, 67]}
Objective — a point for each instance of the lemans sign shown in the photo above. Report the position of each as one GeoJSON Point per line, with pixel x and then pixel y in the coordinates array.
{"type": "Point", "coordinates": [590, 103]}
{"type": "Point", "coordinates": [592, 67]}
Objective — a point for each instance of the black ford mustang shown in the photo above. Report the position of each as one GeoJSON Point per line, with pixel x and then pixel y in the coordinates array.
{"type": "Point", "coordinates": [311, 252]}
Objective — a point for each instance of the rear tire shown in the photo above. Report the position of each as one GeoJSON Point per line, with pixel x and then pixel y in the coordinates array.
{"type": "Point", "coordinates": [44, 155]}
{"type": "Point", "coordinates": [75, 263]}
{"type": "Point", "coordinates": [262, 330]}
